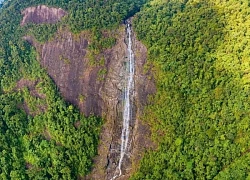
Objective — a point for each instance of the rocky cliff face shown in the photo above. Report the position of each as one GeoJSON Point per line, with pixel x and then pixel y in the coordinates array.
{"type": "Point", "coordinates": [66, 60]}
{"type": "Point", "coordinates": [42, 14]}
{"type": "Point", "coordinates": [109, 149]}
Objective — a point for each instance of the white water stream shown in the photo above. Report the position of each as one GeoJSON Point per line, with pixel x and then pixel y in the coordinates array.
{"type": "Point", "coordinates": [128, 103]}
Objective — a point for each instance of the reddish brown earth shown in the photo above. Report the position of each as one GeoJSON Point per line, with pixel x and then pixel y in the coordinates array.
{"type": "Point", "coordinates": [66, 60]}
{"type": "Point", "coordinates": [47, 135]}
{"type": "Point", "coordinates": [42, 14]}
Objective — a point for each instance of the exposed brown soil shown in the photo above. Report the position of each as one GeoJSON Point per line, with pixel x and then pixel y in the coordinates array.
{"type": "Point", "coordinates": [47, 135]}
{"type": "Point", "coordinates": [25, 107]}
{"type": "Point", "coordinates": [25, 83]}
{"type": "Point", "coordinates": [28, 166]}
{"type": "Point", "coordinates": [77, 124]}
{"type": "Point", "coordinates": [42, 14]}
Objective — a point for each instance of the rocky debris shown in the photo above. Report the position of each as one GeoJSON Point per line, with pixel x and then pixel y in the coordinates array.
{"type": "Point", "coordinates": [42, 14]}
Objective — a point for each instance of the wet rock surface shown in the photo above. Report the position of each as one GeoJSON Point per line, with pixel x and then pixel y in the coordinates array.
{"type": "Point", "coordinates": [42, 14]}
{"type": "Point", "coordinates": [109, 149]}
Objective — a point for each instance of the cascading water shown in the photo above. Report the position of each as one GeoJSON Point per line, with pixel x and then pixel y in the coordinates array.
{"type": "Point", "coordinates": [128, 101]}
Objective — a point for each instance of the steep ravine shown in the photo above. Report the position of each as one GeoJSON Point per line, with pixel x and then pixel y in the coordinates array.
{"type": "Point", "coordinates": [66, 60]}
{"type": "Point", "coordinates": [128, 106]}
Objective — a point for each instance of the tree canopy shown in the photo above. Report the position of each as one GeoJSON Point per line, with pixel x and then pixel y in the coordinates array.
{"type": "Point", "coordinates": [200, 114]}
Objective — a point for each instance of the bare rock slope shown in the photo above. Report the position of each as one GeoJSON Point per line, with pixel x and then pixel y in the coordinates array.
{"type": "Point", "coordinates": [42, 14]}
{"type": "Point", "coordinates": [66, 60]}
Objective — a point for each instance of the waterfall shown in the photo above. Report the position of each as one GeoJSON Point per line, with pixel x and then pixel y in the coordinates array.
{"type": "Point", "coordinates": [128, 103]}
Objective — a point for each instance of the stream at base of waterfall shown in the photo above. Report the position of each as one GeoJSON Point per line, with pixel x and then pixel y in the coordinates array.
{"type": "Point", "coordinates": [127, 101]}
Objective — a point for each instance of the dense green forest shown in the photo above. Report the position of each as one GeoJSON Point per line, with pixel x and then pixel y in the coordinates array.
{"type": "Point", "coordinates": [42, 136]}
{"type": "Point", "coordinates": [200, 114]}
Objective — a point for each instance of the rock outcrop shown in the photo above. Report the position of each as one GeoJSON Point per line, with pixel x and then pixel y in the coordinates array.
{"type": "Point", "coordinates": [42, 14]}
{"type": "Point", "coordinates": [109, 150]}
{"type": "Point", "coordinates": [33, 90]}
{"type": "Point", "coordinates": [66, 60]}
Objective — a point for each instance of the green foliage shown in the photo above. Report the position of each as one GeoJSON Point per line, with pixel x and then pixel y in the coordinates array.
{"type": "Point", "coordinates": [88, 14]}
{"type": "Point", "coordinates": [100, 42]}
{"type": "Point", "coordinates": [200, 114]}
{"type": "Point", "coordinates": [41, 136]}
{"type": "Point", "coordinates": [46, 143]}
{"type": "Point", "coordinates": [43, 32]}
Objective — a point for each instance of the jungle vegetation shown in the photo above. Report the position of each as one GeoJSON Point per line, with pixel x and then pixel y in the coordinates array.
{"type": "Point", "coordinates": [199, 116]}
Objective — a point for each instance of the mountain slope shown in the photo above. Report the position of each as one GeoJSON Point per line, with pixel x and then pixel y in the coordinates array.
{"type": "Point", "coordinates": [200, 114]}
{"type": "Point", "coordinates": [42, 136]}
{"type": "Point", "coordinates": [55, 74]}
